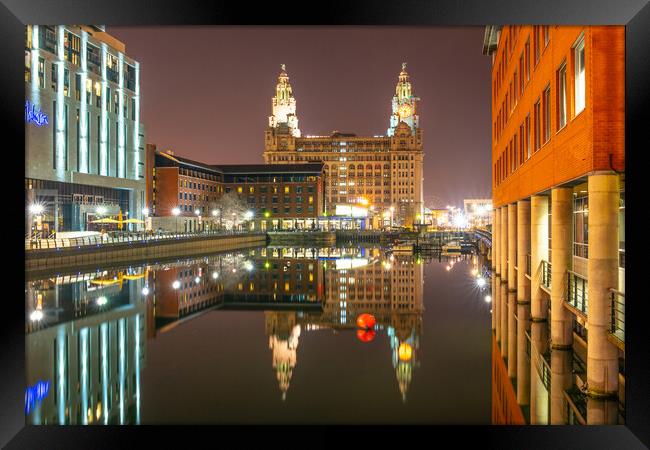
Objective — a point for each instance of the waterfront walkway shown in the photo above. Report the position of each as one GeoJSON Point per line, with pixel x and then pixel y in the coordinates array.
{"type": "Point", "coordinates": [121, 238]}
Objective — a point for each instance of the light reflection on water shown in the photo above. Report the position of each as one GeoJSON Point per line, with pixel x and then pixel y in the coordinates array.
{"type": "Point", "coordinates": [115, 345]}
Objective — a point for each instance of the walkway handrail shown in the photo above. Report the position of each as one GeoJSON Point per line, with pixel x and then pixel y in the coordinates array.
{"type": "Point", "coordinates": [577, 291]}
{"type": "Point", "coordinates": [617, 327]}
{"type": "Point", "coordinates": [546, 273]}
{"type": "Point", "coordinates": [127, 237]}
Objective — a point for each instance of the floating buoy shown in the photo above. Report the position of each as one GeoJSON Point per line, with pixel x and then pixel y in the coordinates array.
{"type": "Point", "coordinates": [366, 321]}
{"type": "Point", "coordinates": [405, 352]}
{"type": "Point", "coordinates": [366, 335]}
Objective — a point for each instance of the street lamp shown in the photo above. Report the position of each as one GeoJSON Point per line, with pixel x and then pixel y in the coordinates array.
{"type": "Point", "coordinates": [176, 211]}
{"type": "Point", "coordinates": [198, 214]}
{"type": "Point", "coordinates": [35, 209]}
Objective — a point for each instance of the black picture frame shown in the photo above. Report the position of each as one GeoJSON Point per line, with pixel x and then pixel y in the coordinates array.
{"type": "Point", "coordinates": [634, 14]}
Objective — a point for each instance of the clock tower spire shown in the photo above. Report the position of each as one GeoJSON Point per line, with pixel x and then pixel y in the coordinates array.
{"type": "Point", "coordinates": [404, 104]}
{"type": "Point", "coordinates": [284, 105]}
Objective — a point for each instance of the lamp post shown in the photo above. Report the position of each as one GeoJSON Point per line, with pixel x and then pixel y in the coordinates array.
{"type": "Point", "coordinates": [176, 211]}
{"type": "Point", "coordinates": [35, 210]}
{"type": "Point", "coordinates": [145, 215]}
{"type": "Point", "coordinates": [198, 214]}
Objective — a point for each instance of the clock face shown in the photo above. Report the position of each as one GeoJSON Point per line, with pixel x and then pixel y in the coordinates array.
{"type": "Point", "coordinates": [404, 111]}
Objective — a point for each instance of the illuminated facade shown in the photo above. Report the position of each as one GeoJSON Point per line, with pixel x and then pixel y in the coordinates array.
{"type": "Point", "coordinates": [558, 161]}
{"type": "Point", "coordinates": [84, 142]}
{"type": "Point", "coordinates": [383, 174]}
{"type": "Point", "coordinates": [87, 351]}
{"type": "Point", "coordinates": [275, 197]}
{"type": "Point", "coordinates": [478, 212]}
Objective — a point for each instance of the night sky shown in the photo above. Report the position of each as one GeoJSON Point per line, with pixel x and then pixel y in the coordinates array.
{"type": "Point", "coordinates": [206, 91]}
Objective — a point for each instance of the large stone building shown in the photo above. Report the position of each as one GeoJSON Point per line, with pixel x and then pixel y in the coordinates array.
{"type": "Point", "coordinates": [558, 153]}
{"type": "Point", "coordinates": [84, 142]}
{"type": "Point", "coordinates": [380, 174]}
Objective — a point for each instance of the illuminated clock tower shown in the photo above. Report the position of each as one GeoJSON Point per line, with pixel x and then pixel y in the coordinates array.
{"type": "Point", "coordinates": [404, 104]}
{"type": "Point", "coordinates": [284, 106]}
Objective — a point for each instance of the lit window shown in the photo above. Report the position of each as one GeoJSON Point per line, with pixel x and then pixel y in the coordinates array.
{"type": "Point", "coordinates": [561, 80]}
{"type": "Point", "coordinates": [580, 76]}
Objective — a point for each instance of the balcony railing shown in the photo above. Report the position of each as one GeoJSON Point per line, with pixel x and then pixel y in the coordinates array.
{"type": "Point", "coordinates": [581, 250]}
{"type": "Point", "coordinates": [618, 315]}
{"type": "Point", "coordinates": [546, 274]}
{"type": "Point", "coordinates": [528, 264]}
{"type": "Point", "coordinates": [577, 291]}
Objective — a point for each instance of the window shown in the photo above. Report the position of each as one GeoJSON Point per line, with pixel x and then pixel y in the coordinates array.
{"type": "Point", "coordinates": [527, 59]}
{"type": "Point", "coordinates": [111, 67]}
{"type": "Point", "coordinates": [579, 59]}
{"type": "Point", "coordinates": [41, 73]}
{"type": "Point", "coordinates": [93, 58]}
{"type": "Point", "coordinates": [71, 47]}
{"type": "Point", "coordinates": [561, 94]}
{"type": "Point", "coordinates": [522, 129]}
{"type": "Point", "coordinates": [580, 226]}
{"type": "Point", "coordinates": [28, 67]}
{"type": "Point", "coordinates": [77, 87]}
{"type": "Point", "coordinates": [536, 43]}
{"type": "Point", "coordinates": [55, 76]}
{"type": "Point", "coordinates": [537, 130]}
{"type": "Point", "coordinates": [547, 36]}
{"type": "Point", "coordinates": [547, 113]}
{"type": "Point", "coordinates": [66, 82]}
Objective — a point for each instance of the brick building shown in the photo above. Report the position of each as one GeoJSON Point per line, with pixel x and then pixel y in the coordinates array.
{"type": "Point", "coordinates": [558, 161]}
{"type": "Point", "coordinates": [270, 196]}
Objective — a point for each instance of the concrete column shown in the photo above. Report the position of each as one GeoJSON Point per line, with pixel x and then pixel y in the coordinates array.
{"type": "Point", "coordinates": [496, 262]}
{"type": "Point", "coordinates": [503, 300]}
{"type": "Point", "coordinates": [602, 274]}
{"type": "Point", "coordinates": [561, 379]}
{"type": "Point", "coordinates": [503, 316]}
{"type": "Point", "coordinates": [493, 281]}
{"type": "Point", "coordinates": [523, 362]}
{"type": "Point", "coordinates": [561, 247]}
{"type": "Point", "coordinates": [523, 249]}
{"type": "Point", "coordinates": [512, 246]}
{"type": "Point", "coordinates": [512, 334]}
{"type": "Point", "coordinates": [602, 411]}
{"type": "Point", "coordinates": [512, 293]}
{"type": "Point", "coordinates": [496, 243]}
{"type": "Point", "coordinates": [539, 394]}
{"type": "Point", "coordinates": [523, 302]}
{"type": "Point", "coordinates": [538, 252]}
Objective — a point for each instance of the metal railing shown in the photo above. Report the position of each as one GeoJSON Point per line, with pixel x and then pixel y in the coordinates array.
{"type": "Point", "coordinates": [528, 264]}
{"type": "Point", "coordinates": [121, 238]}
{"type": "Point", "coordinates": [577, 291]}
{"type": "Point", "coordinates": [617, 327]}
{"type": "Point", "coordinates": [546, 274]}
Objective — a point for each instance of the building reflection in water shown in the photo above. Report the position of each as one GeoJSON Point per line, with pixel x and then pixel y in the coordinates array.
{"type": "Point", "coordinates": [87, 333]}
{"type": "Point", "coordinates": [85, 340]}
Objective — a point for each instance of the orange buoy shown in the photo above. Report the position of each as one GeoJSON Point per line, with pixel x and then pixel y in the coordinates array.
{"type": "Point", "coordinates": [366, 335]}
{"type": "Point", "coordinates": [366, 321]}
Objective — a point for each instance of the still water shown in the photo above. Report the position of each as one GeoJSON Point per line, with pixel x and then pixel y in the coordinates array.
{"type": "Point", "coordinates": [266, 335]}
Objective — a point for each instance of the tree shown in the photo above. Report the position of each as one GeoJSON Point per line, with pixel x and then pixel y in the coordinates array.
{"type": "Point", "coordinates": [232, 210]}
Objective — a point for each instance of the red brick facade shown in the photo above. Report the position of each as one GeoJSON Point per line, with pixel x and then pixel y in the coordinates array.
{"type": "Point", "coordinates": [585, 143]}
